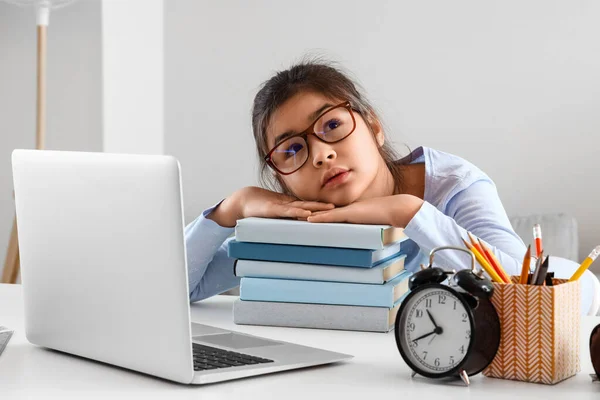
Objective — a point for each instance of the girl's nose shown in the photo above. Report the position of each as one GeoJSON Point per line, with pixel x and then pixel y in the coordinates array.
{"type": "Point", "coordinates": [321, 152]}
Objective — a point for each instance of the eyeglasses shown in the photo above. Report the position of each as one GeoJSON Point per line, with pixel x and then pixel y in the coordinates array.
{"type": "Point", "coordinates": [334, 125]}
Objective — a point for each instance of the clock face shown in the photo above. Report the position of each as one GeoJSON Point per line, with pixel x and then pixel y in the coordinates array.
{"type": "Point", "coordinates": [434, 330]}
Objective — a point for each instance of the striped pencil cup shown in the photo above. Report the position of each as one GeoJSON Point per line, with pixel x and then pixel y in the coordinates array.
{"type": "Point", "coordinates": [539, 339]}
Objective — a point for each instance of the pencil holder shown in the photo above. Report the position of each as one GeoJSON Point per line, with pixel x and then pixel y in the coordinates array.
{"type": "Point", "coordinates": [539, 339]}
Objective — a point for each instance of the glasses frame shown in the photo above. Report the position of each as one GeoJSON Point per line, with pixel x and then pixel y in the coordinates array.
{"type": "Point", "coordinates": [311, 131]}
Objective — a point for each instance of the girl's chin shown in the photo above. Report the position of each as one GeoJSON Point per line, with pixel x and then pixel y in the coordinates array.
{"type": "Point", "coordinates": [340, 199]}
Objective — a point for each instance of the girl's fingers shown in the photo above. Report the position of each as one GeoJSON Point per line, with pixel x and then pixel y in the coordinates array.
{"type": "Point", "coordinates": [312, 205]}
{"type": "Point", "coordinates": [291, 212]}
{"type": "Point", "coordinates": [327, 216]}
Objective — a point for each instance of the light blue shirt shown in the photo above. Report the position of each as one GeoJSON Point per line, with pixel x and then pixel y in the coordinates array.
{"type": "Point", "coordinates": [459, 197]}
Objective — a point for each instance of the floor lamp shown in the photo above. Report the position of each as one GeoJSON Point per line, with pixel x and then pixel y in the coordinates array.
{"type": "Point", "coordinates": [42, 8]}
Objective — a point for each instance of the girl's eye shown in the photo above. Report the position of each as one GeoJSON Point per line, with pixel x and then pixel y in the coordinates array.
{"type": "Point", "coordinates": [293, 149]}
{"type": "Point", "coordinates": [331, 125]}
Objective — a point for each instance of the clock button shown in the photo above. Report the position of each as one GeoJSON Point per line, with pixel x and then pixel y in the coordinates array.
{"type": "Point", "coordinates": [471, 283]}
{"type": "Point", "coordinates": [425, 276]}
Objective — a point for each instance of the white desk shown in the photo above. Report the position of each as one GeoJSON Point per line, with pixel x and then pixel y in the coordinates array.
{"type": "Point", "coordinates": [376, 372]}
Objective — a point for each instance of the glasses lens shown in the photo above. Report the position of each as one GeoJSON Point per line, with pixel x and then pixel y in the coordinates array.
{"type": "Point", "coordinates": [334, 125]}
{"type": "Point", "coordinates": [290, 154]}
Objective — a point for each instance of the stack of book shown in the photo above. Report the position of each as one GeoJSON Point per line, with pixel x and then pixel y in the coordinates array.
{"type": "Point", "coordinates": [318, 275]}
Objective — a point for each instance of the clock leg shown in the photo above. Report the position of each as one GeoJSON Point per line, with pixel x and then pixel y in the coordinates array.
{"type": "Point", "coordinates": [412, 374]}
{"type": "Point", "coordinates": [464, 377]}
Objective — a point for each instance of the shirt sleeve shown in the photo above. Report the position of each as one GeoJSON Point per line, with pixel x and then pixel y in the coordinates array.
{"type": "Point", "coordinates": [210, 269]}
{"type": "Point", "coordinates": [476, 209]}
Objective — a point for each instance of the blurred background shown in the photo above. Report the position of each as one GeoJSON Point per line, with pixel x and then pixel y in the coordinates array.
{"type": "Point", "coordinates": [512, 86]}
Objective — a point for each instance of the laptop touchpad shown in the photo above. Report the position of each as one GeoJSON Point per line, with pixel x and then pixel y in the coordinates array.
{"type": "Point", "coordinates": [235, 341]}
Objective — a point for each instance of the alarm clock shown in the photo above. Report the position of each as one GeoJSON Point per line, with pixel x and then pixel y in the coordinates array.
{"type": "Point", "coordinates": [448, 330]}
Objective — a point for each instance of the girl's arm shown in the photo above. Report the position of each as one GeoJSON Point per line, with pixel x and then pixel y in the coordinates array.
{"type": "Point", "coordinates": [476, 209]}
{"type": "Point", "coordinates": [210, 269]}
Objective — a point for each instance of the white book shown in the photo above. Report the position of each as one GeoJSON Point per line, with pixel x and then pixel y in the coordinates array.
{"type": "Point", "coordinates": [378, 274]}
{"type": "Point", "coordinates": [319, 316]}
{"type": "Point", "coordinates": [290, 231]}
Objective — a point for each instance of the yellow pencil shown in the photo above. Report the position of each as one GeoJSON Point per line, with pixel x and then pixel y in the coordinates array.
{"type": "Point", "coordinates": [585, 264]}
{"type": "Point", "coordinates": [495, 262]}
{"type": "Point", "coordinates": [484, 264]}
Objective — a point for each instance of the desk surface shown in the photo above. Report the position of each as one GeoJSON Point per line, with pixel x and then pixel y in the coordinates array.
{"type": "Point", "coordinates": [377, 371]}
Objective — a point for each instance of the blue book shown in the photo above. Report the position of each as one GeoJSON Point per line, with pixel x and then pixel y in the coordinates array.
{"type": "Point", "coordinates": [364, 258]}
{"type": "Point", "coordinates": [317, 292]}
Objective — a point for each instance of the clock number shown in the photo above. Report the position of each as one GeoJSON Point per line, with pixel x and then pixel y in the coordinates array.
{"type": "Point", "coordinates": [427, 303]}
{"type": "Point", "coordinates": [468, 336]}
{"type": "Point", "coordinates": [464, 316]}
{"type": "Point", "coordinates": [411, 327]}
{"type": "Point", "coordinates": [414, 343]}
{"type": "Point", "coordinates": [419, 313]}
{"type": "Point", "coordinates": [462, 349]}
{"type": "Point", "coordinates": [451, 360]}
{"type": "Point", "coordinates": [441, 299]}
{"type": "Point", "coordinates": [437, 362]}
{"type": "Point", "coordinates": [454, 305]}
{"type": "Point", "coordinates": [424, 355]}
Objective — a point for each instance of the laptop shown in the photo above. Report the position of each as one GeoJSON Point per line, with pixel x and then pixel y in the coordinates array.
{"type": "Point", "coordinates": [104, 273]}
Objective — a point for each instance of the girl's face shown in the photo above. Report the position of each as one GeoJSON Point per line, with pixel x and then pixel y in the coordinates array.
{"type": "Point", "coordinates": [357, 168]}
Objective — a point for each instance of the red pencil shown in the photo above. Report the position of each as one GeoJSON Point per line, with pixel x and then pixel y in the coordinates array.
{"type": "Point", "coordinates": [537, 237]}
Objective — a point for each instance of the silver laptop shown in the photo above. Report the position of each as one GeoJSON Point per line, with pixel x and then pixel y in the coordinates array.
{"type": "Point", "coordinates": [104, 274]}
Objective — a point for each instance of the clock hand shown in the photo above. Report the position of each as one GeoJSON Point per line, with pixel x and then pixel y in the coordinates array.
{"type": "Point", "coordinates": [424, 336]}
{"type": "Point", "coordinates": [431, 318]}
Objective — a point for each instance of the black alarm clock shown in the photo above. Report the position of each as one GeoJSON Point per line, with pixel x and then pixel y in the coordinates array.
{"type": "Point", "coordinates": [448, 330]}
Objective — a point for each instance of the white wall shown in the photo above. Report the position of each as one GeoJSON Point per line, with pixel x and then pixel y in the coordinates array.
{"type": "Point", "coordinates": [74, 120]}
{"type": "Point", "coordinates": [512, 86]}
{"type": "Point", "coordinates": [133, 74]}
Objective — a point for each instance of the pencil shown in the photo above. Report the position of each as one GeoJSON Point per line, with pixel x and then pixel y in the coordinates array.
{"type": "Point", "coordinates": [525, 270]}
{"type": "Point", "coordinates": [536, 270]}
{"type": "Point", "coordinates": [541, 278]}
{"type": "Point", "coordinates": [585, 264]}
{"type": "Point", "coordinates": [495, 262]}
{"type": "Point", "coordinates": [483, 262]}
{"type": "Point", "coordinates": [478, 247]}
{"type": "Point", "coordinates": [537, 237]}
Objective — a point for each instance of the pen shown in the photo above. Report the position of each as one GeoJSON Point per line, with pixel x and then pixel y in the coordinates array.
{"type": "Point", "coordinates": [536, 271]}
{"type": "Point", "coordinates": [537, 237]}
{"type": "Point", "coordinates": [585, 264]}
{"type": "Point", "coordinates": [484, 264]}
{"type": "Point", "coordinates": [494, 262]}
{"type": "Point", "coordinates": [543, 270]}
{"type": "Point", "coordinates": [525, 270]}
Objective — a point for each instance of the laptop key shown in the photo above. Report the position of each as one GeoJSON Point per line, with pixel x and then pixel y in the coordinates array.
{"type": "Point", "coordinates": [206, 356]}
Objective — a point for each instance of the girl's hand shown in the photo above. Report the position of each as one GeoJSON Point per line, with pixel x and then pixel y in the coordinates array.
{"type": "Point", "coordinates": [253, 201]}
{"type": "Point", "coordinates": [395, 210]}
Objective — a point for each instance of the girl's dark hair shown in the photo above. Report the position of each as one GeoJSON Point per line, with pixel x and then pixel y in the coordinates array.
{"type": "Point", "coordinates": [310, 76]}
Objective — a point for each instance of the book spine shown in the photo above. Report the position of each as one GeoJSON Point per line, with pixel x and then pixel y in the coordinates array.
{"type": "Point", "coordinates": [323, 235]}
{"type": "Point", "coordinates": [319, 316]}
{"type": "Point", "coordinates": [312, 272]}
{"type": "Point", "coordinates": [301, 254]}
{"type": "Point", "coordinates": [294, 291]}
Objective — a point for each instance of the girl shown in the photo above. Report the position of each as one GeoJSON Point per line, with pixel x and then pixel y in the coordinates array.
{"type": "Point", "coordinates": [325, 157]}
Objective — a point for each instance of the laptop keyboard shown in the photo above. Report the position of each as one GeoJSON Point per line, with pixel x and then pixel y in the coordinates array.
{"type": "Point", "coordinates": [207, 358]}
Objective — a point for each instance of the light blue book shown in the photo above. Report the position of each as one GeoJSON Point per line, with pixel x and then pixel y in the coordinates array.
{"type": "Point", "coordinates": [377, 275]}
{"type": "Point", "coordinates": [304, 233]}
{"type": "Point", "coordinates": [316, 316]}
{"type": "Point", "coordinates": [317, 292]}
{"type": "Point", "coordinates": [364, 258]}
